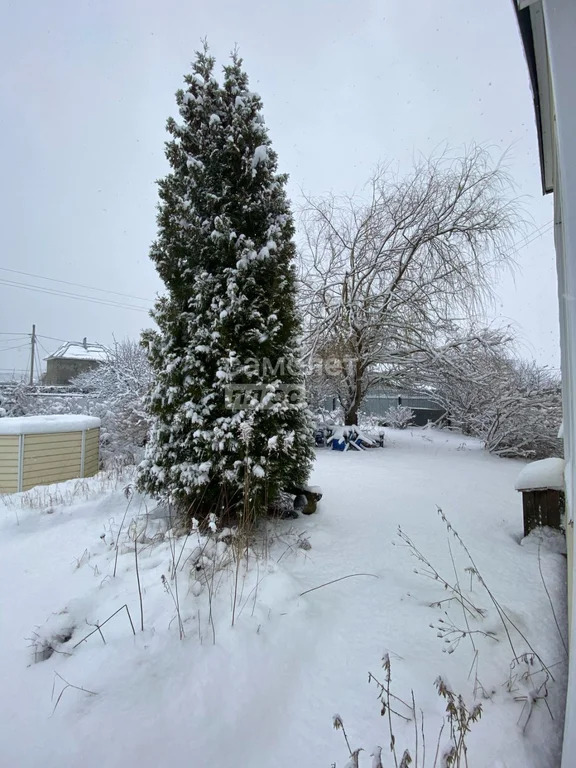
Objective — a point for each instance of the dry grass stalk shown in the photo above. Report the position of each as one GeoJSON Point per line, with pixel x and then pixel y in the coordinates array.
{"type": "Point", "coordinates": [98, 627]}
{"type": "Point", "coordinates": [65, 688]}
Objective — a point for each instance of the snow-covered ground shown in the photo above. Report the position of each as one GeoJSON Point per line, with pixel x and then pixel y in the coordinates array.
{"type": "Point", "coordinates": [262, 694]}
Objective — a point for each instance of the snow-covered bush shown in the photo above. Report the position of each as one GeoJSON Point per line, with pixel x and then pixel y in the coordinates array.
{"type": "Point", "coordinates": [21, 399]}
{"type": "Point", "coordinates": [15, 399]}
{"type": "Point", "coordinates": [115, 391]}
{"type": "Point", "coordinates": [514, 406]}
{"type": "Point", "coordinates": [398, 417]}
{"type": "Point", "coordinates": [524, 419]}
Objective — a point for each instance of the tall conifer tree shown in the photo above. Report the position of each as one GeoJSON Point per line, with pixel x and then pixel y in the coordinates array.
{"type": "Point", "coordinates": [231, 426]}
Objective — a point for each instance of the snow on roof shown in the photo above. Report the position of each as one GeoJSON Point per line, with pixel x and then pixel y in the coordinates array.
{"type": "Point", "coordinates": [38, 425]}
{"type": "Point", "coordinates": [547, 473]}
{"type": "Point", "coordinates": [81, 350]}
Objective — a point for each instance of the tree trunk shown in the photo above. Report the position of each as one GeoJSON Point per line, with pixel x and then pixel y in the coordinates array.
{"type": "Point", "coordinates": [351, 415]}
{"type": "Point", "coordinates": [357, 393]}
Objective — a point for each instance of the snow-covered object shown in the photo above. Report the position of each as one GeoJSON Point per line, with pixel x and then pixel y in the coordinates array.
{"type": "Point", "coordinates": [37, 425]}
{"type": "Point", "coordinates": [260, 155]}
{"type": "Point", "coordinates": [351, 436]}
{"type": "Point", "coordinates": [547, 473]}
{"type": "Point", "coordinates": [376, 756]}
{"type": "Point", "coordinates": [78, 350]}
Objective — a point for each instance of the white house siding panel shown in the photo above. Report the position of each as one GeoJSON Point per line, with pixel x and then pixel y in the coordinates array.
{"type": "Point", "coordinates": [560, 22]}
{"type": "Point", "coordinates": [560, 19]}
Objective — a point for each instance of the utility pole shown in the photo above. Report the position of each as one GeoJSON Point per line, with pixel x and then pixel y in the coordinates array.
{"type": "Point", "coordinates": [32, 351]}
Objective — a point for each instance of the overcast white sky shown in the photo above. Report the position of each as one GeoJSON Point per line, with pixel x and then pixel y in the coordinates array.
{"type": "Point", "coordinates": [86, 87]}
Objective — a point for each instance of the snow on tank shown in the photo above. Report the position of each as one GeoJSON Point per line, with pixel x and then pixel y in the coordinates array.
{"type": "Point", "coordinates": [38, 425]}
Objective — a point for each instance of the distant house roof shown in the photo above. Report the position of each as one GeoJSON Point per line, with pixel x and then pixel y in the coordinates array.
{"type": "Point", "coordinates": [81, 350]}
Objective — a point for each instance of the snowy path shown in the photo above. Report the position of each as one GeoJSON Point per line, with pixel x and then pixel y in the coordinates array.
{"type": "Point", "coordinates": [263, 696]}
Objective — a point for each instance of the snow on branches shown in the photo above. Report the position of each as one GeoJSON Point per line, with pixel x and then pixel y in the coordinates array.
{"type": "Point", "coordinates": [391, 273]}
{"type": "Point", "coordinates": [514, 406]}
{"type": "Point", "coordinates": [115, 392]}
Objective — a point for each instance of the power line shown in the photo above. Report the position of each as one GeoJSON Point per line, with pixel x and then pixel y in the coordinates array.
{"type": "Point", "coordinates": [52, 338]}
{"type": "Point", "coordinates": [514, 248]}
{"type": "Point", "coordinates": [13, 340]}
{"type": "Point", "coordinates": [76, 285]}
{"type": "Point", "coordinates": [522, 243]}
{"type": "Point", "coordinates": [549, 225]}
{"type": "Point", "coordinates": [529, 238]}
{"type": "Point", "coordinates": [66, 294]}
{"type": "Point", "coordinates": [8, 349]}
{"type": "Point", "coordinates": [541, 230]}
{"type": "Point", "coordinates": [42, 345]}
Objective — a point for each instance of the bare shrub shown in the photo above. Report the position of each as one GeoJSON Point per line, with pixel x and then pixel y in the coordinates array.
{"type": "Point", "coordinates": [398, 417]}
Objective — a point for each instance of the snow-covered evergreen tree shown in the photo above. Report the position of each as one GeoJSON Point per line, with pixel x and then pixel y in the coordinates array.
{"type": "Point", "coordinates": [231, 425]}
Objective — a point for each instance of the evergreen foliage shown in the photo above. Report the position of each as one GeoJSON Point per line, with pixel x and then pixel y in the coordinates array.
{"type": "Point", "coordinates": [228, 324]}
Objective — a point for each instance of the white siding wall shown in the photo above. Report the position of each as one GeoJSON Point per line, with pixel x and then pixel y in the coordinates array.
{"type": "Point", "coordinates": [560, 21]}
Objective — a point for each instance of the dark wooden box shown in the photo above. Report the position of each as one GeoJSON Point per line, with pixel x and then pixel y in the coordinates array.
{"type": "Point", "coordinates": [542, 507]}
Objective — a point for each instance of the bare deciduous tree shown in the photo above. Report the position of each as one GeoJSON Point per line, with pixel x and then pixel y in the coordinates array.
{"type": "Point", "coordinates": [392, 274]}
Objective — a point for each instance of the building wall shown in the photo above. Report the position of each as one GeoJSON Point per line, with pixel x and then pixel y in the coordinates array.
{"type": "Point", "coordinates": [570, 551]}
{"type": "Point", "coordinates": [560, 25]}
{"type": "Point", "coordinates": [60, 370]}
